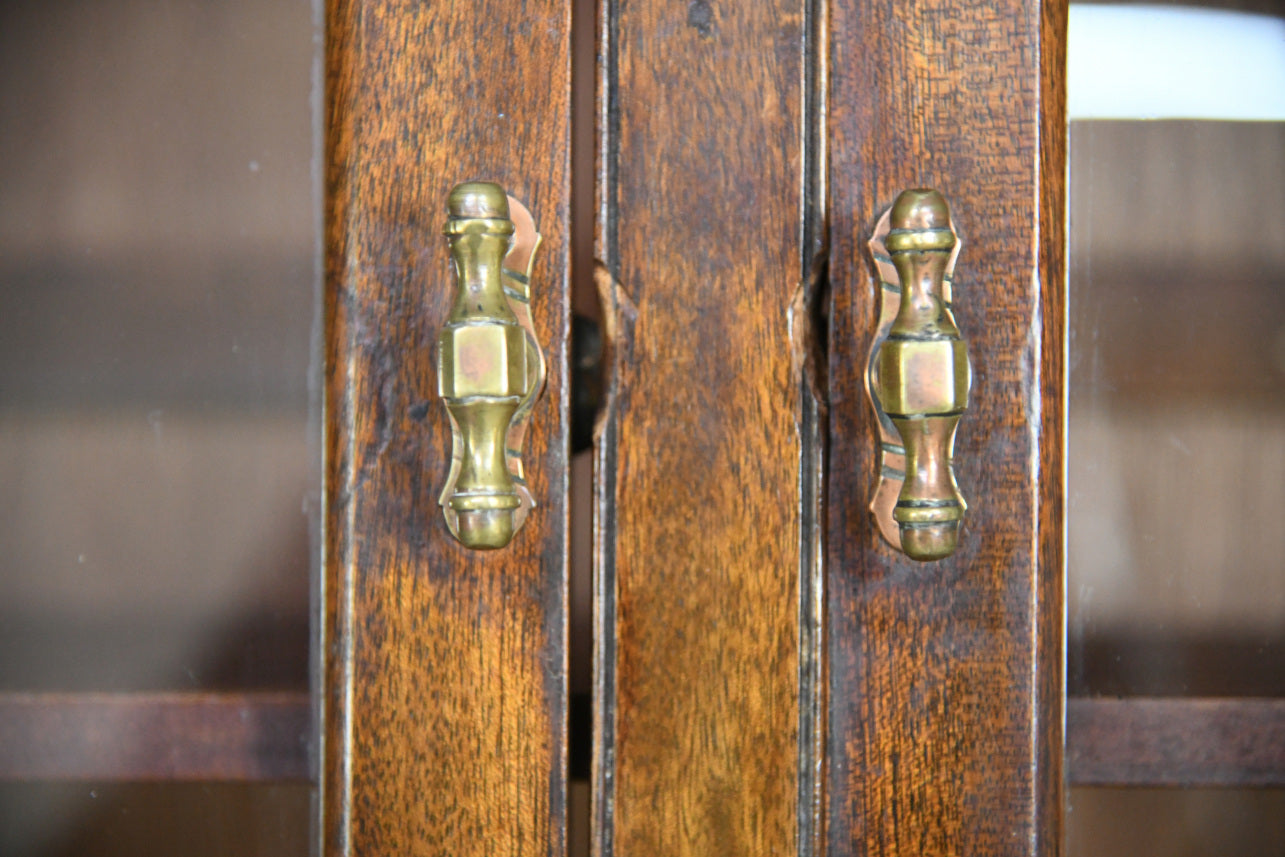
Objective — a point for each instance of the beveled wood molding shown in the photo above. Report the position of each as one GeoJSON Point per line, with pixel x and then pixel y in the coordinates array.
{"type": "Point", "coordinates": [709, 704]}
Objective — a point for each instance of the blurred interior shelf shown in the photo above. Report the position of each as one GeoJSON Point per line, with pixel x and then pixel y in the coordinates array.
{"type": "Point", "coordinates": [1175, 742]}
{"type": "Point", "coordinates": [229, 737]}
{"type": "Point", "coordinates": [263, 737]}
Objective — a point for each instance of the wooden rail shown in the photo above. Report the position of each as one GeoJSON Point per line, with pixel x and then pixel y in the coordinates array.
{"type": "Point", "coordinates": [264, 737]}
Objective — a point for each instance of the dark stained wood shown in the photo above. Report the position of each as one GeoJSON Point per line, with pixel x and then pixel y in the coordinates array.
{"type": "Point", "coordinates": [154, 736]}
{"type": "Point", "coordinates": [699, 504]}
{"type": "Point", "coordinates": [445, 688]}
{"type": "Point", "coordinates": [1176, 742]}
{"type": "Point", "coordinates": [946, 678]}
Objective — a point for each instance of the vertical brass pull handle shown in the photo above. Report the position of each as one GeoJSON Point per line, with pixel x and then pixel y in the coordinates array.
{"type": "Point", "coordinates": [919, 377]}
{"type": "Point", "coordinates": [490, 369]}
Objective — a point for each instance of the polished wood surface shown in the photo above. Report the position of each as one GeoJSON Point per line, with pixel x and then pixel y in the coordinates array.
{"type": "Point", "coordinates": [115, 737]}
{"type": "Point", "coordinates": [699, 523]}
{"type": "Point", "coordinates": [1176, 742]}
{"type": "Point", "coordinates": [445, 690]}
{"type": "Point", "coordinates": [946, 678]}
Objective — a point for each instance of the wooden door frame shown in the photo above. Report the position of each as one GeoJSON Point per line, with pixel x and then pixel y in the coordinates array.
{"type": "Point", "coordinates": [947, 678]}
{"type": "Point", "coordinates": [444, 708]}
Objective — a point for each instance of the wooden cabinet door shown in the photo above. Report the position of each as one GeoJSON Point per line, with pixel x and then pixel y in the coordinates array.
{"type": "Point", "coordinates": [774, 678]}
{"type": "Point", "coordinates": [946, 679]}
{"type": "Point", "coordinates": [770, 678]}
{"type": "Point", "coordinates": [444, 703]}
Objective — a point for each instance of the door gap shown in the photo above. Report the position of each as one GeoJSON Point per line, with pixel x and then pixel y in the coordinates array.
{"type": "Point", "coordinates": [585, 350]}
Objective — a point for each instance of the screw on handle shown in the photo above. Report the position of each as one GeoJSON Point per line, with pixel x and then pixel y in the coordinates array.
{"type": "Point", "coordinates": [489, 370]}
{"type": "Point", "coordinates": [921, 375]}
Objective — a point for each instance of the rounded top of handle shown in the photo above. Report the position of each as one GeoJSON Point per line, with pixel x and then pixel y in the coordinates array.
{"type": "Point", "coordinates": [478, 199]}
{"type": "Point", "coordinates": [920, 209]}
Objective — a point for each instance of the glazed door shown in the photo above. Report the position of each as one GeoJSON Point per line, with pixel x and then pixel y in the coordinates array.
{"type": "Point", "coordinates": [158, 448]}
{"type": "Point", "coordinates": [769, 677]}
{"type": "Point", "coordinates": [699, 643]}
{"type": "Point", "coordinates": [774, 677]}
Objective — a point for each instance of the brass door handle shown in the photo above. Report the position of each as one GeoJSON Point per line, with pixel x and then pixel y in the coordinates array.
{"type": "Point", "coordinates": [919, 377]}
{"type": "Point", "coordinates": [490, 368]}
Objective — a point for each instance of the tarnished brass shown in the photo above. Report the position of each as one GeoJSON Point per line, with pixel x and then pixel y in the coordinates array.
{"type": "Point", "coordinates": [490, 369]}
{"type": "Point", "coordinates": [919, 377]}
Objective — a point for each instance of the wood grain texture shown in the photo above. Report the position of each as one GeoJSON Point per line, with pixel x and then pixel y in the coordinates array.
{"type": "Point", "coordinates": [700, 205]}
{"type": "Point", "coordinates": [109, 737]}
{"type": "Point", "coordinates": [946, 678]}
{"type": "Point", "coordinates": [445, 669]}
{"type": "Point", "coordinates": [1176, 742]}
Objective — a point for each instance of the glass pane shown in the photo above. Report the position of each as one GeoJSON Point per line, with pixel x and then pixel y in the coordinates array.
{"type": "Point", "coordinates": [1176, 477]}
{"type": "Point", "coordinates": [157, 262]}
{"type": "Point", "coordinates": [1177, 409]}
{"type": "Point", "coordinates": [192, 819]}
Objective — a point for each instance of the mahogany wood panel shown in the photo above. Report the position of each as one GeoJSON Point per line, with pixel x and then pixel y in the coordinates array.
{"type": "Point", "coordinates": [946, 678]}
{"type": "Point", "coordinates": [444, 710]}
{"type": "Point", "coordinates": [1175, 742]}
{"type": "Point", "coordinates": [699, 506]}
{"type": "Point", "coordinates": [154, 736]}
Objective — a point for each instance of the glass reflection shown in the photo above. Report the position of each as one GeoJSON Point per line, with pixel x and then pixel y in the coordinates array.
{"type": "Point", "coordinates": [1177, 417]}
{"type": "Point", "coordinates": [157, 260]}
{"type": "Point", "coordinates": [158, 285]}
{"type": "Point", "coordinates": [1177, 409]}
